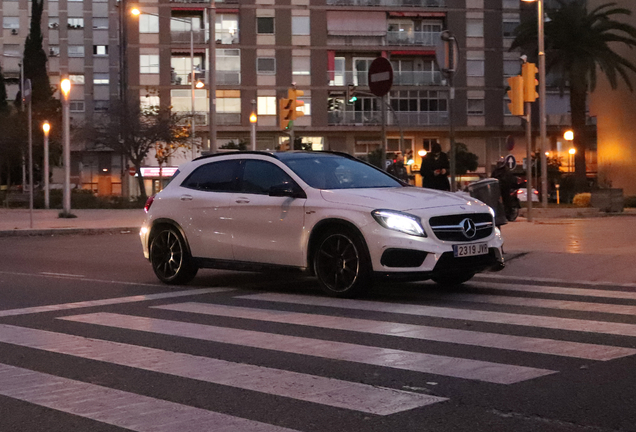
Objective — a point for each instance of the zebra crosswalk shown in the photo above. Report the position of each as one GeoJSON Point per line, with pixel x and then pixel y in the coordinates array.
{"type": "Point", "coordinates": [310, 330]}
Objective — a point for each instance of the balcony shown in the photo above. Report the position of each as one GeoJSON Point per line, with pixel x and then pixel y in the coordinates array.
{"type": "Point", "coordinates": [183, 37]}
{"type": "Point", "coordinates": [388, 3]}
{"type": "Point", "coordinates": [184, 77]}
{"type": "Point", "coordinates": [412, 38]}
{"type": "Point", "coordinates": [410, 78]}
{"type": "Point", "coordinates": [201, 119]}
{"type": "Point", "coordinates": [374, 118]}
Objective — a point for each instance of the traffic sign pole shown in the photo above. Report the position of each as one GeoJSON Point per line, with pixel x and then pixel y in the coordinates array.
{"type": "Point", "coordinates": [380, 77]}
{"type": "Point", "coordinates": [529, 158]}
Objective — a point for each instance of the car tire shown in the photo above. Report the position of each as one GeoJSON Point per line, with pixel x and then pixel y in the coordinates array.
{"type": "Point", "coordinates": [452, 279]}
{"type": "Point", "coordinates": [170, 258]}
{"type": "Point", "coordinates": [342, 264]}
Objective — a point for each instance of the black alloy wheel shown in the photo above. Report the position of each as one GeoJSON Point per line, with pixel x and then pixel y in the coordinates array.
{"type": "Point", "coordinates": [170, 258]}
{"type": "Point", "coordinates": [342, 264]}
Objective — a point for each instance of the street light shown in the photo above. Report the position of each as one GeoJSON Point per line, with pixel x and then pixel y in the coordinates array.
{"type": "Point", "coordinates": [65, 86]}
{"type": "Point", "coordinates": [194, 83]}
{"type": "Point", "coordinates": [253, 120]}
{"type": "Point", "coordinates": [542, 109]}
{"type": "Point", "coordinates": [572, 152]}
{"type": "Point", "coordinates": [46, 127]}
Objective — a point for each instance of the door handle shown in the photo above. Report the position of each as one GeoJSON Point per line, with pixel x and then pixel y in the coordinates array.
{"type": "Point", "coordinates": [242, 201]}
{"type": "Point", "coordinates": [186, 198]}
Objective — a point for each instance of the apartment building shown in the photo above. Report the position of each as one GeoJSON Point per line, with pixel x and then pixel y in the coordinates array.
{"type": "Point", "coordinates": [81, 41]}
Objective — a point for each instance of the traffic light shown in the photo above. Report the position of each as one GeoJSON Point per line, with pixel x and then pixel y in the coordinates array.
{"type": "Point", "coordinates": [285, 113]}
{"type": "Point", "coordinates": [515, 94]}
{"type": "Point", "coordinates": [529, 72]}
{"type": "Point", "coordinates": [351, 94]}
{"type": "Point", "coordinates": [293, 96]}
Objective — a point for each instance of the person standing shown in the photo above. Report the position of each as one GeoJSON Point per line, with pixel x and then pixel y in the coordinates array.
{"type": "Point", "coordinates": [398, 169]}
{"type": "Point", "coordinates": [434, 171]}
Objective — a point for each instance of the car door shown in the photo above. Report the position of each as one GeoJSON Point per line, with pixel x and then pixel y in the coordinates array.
{"type": "Point", "coordinates": [205, 197]}
{"type": "Point", "coordinates": [267, 229]}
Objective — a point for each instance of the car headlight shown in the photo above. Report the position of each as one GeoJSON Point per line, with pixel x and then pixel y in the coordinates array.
{"type": "Point", "coordinates": [398, 221]}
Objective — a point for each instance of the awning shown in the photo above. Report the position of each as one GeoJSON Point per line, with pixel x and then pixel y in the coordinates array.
{"type": "Point", "coordinates": [348, 23]}
{"type": "Point", "coordinates": [414, 52]}
{"type": "Point", "coordinates": [190, 8]}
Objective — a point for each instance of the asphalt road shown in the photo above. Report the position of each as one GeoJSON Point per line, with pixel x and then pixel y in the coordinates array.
{"type": "Point", "coordinates": [89, 340]}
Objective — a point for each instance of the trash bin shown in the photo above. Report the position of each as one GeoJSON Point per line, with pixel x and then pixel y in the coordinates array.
{"type": "Point", "coordinates": [488, 192]}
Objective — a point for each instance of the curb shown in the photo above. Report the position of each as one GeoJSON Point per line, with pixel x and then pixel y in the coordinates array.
{"type": "Point", "coordinates": [67, 231]}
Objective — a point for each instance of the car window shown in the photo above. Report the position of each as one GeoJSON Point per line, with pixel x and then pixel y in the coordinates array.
{"type": "Point", "coordinates": [336, 172]}
{"type": "Point", "coordinates": [214, 177]}
{"type": "Point", "coordinates": [259, 176]}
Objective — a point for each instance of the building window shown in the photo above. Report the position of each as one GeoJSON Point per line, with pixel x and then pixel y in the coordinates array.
{"type": "Point", "coordinates": [226, 28]}
{"type": "Point", "coordinates": [76, 79]}
{"type": "Point", "coordinates": [306, 108]}
{"type": "Point", "coordinates": [54, 23]}
{"type": "Point", "coordinates": [11, 23]}
{"type": "Point", "coordinates": [76, 50]}
{"type": "Point", "coordinates": [228, 104]}
{"type": "Point", "coordinates": [266, 65]}
{"type": "Point", "coordinates": [148, 64]}
{"type": "Point", "coordinates": [265, 25]}
{"type": "Point", "coordinates": [12, 51]}
{"type": "Point", "coordinates": [148, 23]}
{"type": "Point", "coordinates": [76, 106]}
{"type": "Point", "coordinates": [428, 142]}
{"type": "Point", "coordinates": [75, 23]}
{"type": "Point", "coordinates": [146, 102]}
{"type": "Point", "coordinates": [101, 78]}
{"type": "Point", "coordinates": [475, 107]}
{"type": "Point", "coordinates": [509, 28]}
{"type": "Point", "coordinates": [418, 101]}
{"type": "Point", "coordinates": [100, 23]}
{"type": "Point", "coordinates": [511, 68]}
{"type": "Point", "coordinates": [266, 105]}
{"type": "Point", "coordinates": [100, 50]}
{"type": "Point", "coordinates": [301, 66]}
{"type": "Point", "coordinates": [54, 50]}
{"type": "Point", "coordinates": [475, 67]}
{"type": "Point", "coordinates": [101, 106]}
{"type": "Point", "coordinates": [300, 25]}
{"type": "Point", "coordinates": [474, 28]}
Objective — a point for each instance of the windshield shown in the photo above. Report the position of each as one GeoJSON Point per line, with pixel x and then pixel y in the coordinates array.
{"type": "Point", "coordinates": [327, 171]}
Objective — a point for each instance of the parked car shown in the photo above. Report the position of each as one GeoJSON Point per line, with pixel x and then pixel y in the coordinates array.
{"type": "Point", "coordinates": [522, 194]}
{"type": "Point", "coordinates": [330, 214]}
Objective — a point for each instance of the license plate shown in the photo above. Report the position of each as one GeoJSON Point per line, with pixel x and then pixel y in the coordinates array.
{"type": "Point", "coordinates": [470, 249]}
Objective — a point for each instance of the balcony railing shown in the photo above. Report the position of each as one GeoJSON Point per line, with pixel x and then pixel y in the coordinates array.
{"type": "Point", "coordinates": [410, 78]}
{"type": "Point", "coordinates": [181, 77]}
{"type": "Point", "coordinates": [183, 37]}
{"type": "Point", "coordinates": [201, 118]}
{"type": "Point", "coordinates": [408, 38]}
{"type": "Point", "coordinates": [388, 3]}
{"type": "Point", "coordinates": [227, 37]}
{"type": "Point", "coordinates": [374, 118]}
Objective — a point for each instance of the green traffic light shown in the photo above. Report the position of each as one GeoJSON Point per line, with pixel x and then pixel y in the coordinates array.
{"type": "Point", "coordinates": [353, 99]}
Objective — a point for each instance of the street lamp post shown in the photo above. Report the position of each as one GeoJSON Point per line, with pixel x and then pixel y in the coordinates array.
{"type": "Point", "coordinates": [46, 127]}
{"type": "Point", "coordinates": [542, 102]}
{"type": "Point", "coordinates": [253, 120]}
{"type": "Point", "coordinates": [65, 85]}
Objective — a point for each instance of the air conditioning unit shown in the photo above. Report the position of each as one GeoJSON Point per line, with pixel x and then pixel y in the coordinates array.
{"type": "Point", "coordinates": [14, 32]}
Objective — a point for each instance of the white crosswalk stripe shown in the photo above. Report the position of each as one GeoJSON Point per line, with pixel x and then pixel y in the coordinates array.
{"type": "Point", "coordinates": [259, 312]}
{"type": "Point", "coordinates": [465, 337]}
{"type": "Point", "coordinates": [326, 391]}
{"type": "Point", "coordinates": [392, 358]}
{"type": "Point", "coordinates": [539, 321]}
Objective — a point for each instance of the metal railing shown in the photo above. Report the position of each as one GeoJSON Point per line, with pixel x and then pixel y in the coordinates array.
{"type": "Point", "coordinates": [374, 118]}
{"type": "Point", "coordinates": [406, 78]}
{"type": "Point", "coordinates": [181, 77]}
{"type": "Point", "coordinates": [388, 3]}
{"type": "Point", "coordinates": [201, 118]}
{"type": "Point", "coordinates": [420, 38]}
{"type": "Point", "coordinates": [184, 36]}
{"type": "Point", "coordinates": [227, 37]}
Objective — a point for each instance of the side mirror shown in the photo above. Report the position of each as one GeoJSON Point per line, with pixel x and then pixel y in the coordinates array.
{"type": "Point", "coordinates": [286, 190]}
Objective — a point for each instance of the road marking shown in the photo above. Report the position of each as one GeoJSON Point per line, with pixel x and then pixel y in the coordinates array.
{"type": "Point", "coordinates": [464, 337]}
{"type": "Point", "coordinates": [84, 279]}
{"type": "Point", "coordinates": [62, 274]}
{"type": "Point", "coordinates": [110, 301]}
{"type": "Point", "coordinates": [385, 357]}
{"type": "Point", "coordinates": [309, 388]}
{"type": "Point", "coordinates": [116, 407]}
{"type": "Point", "coordinates": [544, 303]}
{"type": "Point", "coordinates": [583, 292]}
{"type": "Point", "coordinates": [459, 314]}
{"type": "Point", "coordinates": [508, 278]}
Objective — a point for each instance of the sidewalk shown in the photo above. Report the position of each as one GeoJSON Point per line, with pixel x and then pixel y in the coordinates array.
{"type": "Point", "coordinates": [595, 247]}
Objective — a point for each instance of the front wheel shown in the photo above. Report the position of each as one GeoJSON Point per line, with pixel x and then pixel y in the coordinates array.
{"type": "Point", "coordinates": [170, 258]}
{"type": "Point", "coordinates": [342, 264]}
{"type": "Point", "coordinates": [512, 213]}
{"type": "Point", "coordinates": [452, 279]}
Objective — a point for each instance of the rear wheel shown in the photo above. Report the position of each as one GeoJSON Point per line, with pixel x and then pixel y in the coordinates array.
{"type": "Point", "coordinates": [453, 279]}
{"type": "Point", "coordinates": [342, 264]}
{"type": "Point", "coordinates": [170, 258]}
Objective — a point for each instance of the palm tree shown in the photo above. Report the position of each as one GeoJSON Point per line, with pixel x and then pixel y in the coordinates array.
{"type": "Point", "coordinates": [578, 43]}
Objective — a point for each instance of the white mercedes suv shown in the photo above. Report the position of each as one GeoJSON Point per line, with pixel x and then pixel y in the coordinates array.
{"type": "Point", "coordinates": [341, 219]}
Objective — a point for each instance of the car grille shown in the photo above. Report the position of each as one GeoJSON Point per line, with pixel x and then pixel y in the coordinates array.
{"type": "Point", "coordinates": [451, 228]}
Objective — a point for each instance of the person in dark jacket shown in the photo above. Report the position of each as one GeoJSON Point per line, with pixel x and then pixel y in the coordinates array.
{"type": "Point", "coordinates": [434, 171]}
{"type": "Point", "coordinates": [398, 169]}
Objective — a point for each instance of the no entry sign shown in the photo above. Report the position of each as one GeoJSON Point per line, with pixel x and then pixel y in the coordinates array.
{"type": "Point", "coordinates": [380, 76]}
